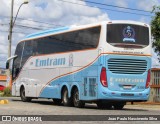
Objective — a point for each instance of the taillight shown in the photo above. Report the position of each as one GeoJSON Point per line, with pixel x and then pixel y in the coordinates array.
{"type": "Point", "coordinates": [103, 77]}
{"type": "Point", "coordinates": [148, 78]}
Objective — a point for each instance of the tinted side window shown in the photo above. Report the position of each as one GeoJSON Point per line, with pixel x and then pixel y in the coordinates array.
{"type": "Point", "coordinates": [71, 41]}
{"type": "Point", "coordinates": [17, 61]}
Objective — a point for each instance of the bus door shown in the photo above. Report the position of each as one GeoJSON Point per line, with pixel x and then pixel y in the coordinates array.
{"type": "Point", "coordinates": [15, 73]}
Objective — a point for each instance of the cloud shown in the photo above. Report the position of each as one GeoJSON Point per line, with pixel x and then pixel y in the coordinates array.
{"type": "Point", "coordinates": [147, 4]}
{"type": "Point", "coordinates": [121, 3]}
{"type": "Point", "coordinates": [144, 19]}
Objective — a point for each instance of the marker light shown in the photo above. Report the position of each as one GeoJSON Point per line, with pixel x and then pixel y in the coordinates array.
{"type": "Point", "coordinates": [148, 78]}
{"type": "Point", "coordinates": [103, 77]}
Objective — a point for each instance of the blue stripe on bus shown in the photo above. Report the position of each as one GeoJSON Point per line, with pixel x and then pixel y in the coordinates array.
{"type": "Point", "coordinates": [47, 32]}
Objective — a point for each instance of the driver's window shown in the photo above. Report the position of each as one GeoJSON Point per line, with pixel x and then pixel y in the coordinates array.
{"type": "Point", "coordinates": [16, 62]}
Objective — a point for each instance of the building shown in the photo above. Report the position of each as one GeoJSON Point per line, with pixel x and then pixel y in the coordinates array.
{"type": "Point", "coordinates": [3, 71]}
{"type": "Point", "coordinates": [3, 79]}
{"type": "Point", "coordinates": [155, 85]}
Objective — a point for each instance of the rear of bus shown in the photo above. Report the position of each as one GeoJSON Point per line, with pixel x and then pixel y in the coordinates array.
{"type": "Point", "coordinates": [125, 70]}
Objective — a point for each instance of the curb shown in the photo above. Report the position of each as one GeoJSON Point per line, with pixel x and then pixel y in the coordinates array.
{"type": "Point", "coordinates": [145, 103]}
{"type": "Point", "coordinates": [4, 101]}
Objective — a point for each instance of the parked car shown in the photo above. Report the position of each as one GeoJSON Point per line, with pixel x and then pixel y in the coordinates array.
{"type": "Point", "coordinates": [2, 88]}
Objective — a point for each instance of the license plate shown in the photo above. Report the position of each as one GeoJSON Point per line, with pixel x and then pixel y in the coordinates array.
{"type": "Point", "coordinates": [127, 87]}
{"type": "Point", "coordinates": [127, 94]}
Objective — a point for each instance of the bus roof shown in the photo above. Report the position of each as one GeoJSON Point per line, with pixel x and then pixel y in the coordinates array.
{"type": "Point", "coordinates": [51, 31]}
{"type": "Point", "coordinates": [68, 28]}
{"type": "Point", "coordinates": [58, 30]}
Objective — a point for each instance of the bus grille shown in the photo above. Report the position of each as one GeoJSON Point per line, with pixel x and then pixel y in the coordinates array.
{"type": "Point", "coordinates": [127, 66]}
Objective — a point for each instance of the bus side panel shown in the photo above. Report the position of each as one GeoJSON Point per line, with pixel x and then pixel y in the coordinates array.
{"type": "Point", "coordinates": [86, 80]}
{"type": "Point", "coordinates": [43, 71]}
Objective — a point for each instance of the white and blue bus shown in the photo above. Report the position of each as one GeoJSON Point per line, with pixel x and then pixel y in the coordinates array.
{"type": "Point", "coordinates": [106, 63]}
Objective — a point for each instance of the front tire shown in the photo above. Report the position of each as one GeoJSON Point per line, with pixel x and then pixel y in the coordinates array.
{"type": "Point", "coordinates": [23, 97]}
{"type": "Point", "coordinates": [76, 102]}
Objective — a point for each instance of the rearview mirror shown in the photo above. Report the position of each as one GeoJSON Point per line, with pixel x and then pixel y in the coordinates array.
{"type": "Point", "coordinates": [7, 65]}
{"type": "Point", "coordinates": [8, 60]}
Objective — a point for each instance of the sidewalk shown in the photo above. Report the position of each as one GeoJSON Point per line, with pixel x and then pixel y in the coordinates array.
{"type": "Point", "coordinates": [144, 103]}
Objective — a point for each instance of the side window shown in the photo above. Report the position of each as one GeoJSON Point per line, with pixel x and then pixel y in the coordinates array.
{"type": "Point", "coordinates": [17, 61]}
{"type": "Point", "coordinates": [89, 38]}
{"type": "Point", "coordinates": [71, 41]}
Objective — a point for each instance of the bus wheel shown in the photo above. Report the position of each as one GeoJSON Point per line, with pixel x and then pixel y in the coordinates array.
{"type": "Point", "coordinates": [57, 101]}
{"type": "Point", "coordinates": [76, 102]}
{"type": "Point", "coordinates": [65, 99]}
{"type": "Point", "coordinates": [118, 106]}
{"type": "Point", "coordinates": [23, 97]}
{"type": "Point", "coordinates": [104, 105]}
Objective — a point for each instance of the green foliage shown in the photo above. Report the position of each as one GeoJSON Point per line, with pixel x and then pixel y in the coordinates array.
{"type": "Point", "coordinates": [1, 93]}
{"type": "Point", "coordinates": [7, 91]}
{"type": "Point", "coordinates": [155, 29]}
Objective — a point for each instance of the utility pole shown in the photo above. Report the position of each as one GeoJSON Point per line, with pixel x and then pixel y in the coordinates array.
{"type": "Point", "coordinates": [9, 44]}
{"type": "Point", "coordinates": [10, 32]}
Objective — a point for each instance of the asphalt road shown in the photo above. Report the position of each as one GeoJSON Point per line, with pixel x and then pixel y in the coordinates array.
{"type": "Point", "coordinates": [46, 107]}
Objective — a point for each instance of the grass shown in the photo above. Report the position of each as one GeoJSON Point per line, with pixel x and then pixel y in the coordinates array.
{"type": "Point", "coordinates": [7, 92]}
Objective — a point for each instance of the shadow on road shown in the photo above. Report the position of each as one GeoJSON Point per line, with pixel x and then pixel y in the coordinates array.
{"type": "Point", "coordinates": [87, 106]}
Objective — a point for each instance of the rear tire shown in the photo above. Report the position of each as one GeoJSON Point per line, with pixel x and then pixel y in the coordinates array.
{"type": "Point", "coordinates": [104, 105]}
{"type": "Point", "coordinates": [118, 106]}
{"type": "Point", "coordinates": [23, 97]}
{"type": "Point", "coordinates": [65, 99]}
{"type": "Point", "coordinates": [76, 102]}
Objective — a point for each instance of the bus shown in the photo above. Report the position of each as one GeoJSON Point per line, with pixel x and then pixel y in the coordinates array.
{"type": "Point", "coordinates": [106, 63]}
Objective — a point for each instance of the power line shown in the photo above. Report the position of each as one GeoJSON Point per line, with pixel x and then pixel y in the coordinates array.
{"type": "Point", "coordinates": [14, 32]}
{"type": "Point", "coordinates": [104, 8]}
{"type": "Point", "coordinates": [24, 26]}
{"type": "Point", "coordinates": [28, 26]}
{"type": "Point", "coordinates": [115, 6]}
{"type": "Point", "coordinates": [42, 22]}
{"type": "Point", "coordinates": [32, 27]}
{"type": "Point", "coordinates": [37, 25]}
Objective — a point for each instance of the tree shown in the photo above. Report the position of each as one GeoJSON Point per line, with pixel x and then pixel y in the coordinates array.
{"type": "Point", "coordinates": [155, 29]}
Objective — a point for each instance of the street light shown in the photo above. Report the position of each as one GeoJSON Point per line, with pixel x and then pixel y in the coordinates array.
{"type": "Point", "coordinates": [25, 2]}
{"type": "Point", "coordinates": [10, 34]}
{"type": "Point", "coordinates": [11, 26]}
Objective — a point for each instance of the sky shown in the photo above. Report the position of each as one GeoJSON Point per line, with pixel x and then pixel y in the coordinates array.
{"type": "Point", "coordinates": [40, 15]}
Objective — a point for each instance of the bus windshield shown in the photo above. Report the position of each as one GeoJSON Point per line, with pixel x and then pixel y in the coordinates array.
{"type": "Point", "coordinates": [127, 35]}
